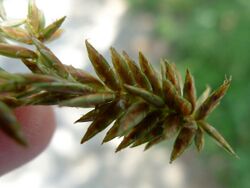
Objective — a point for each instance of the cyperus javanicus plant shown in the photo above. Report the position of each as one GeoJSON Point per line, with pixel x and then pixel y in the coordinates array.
{"type": "Point", "coordinates": [145, 108]}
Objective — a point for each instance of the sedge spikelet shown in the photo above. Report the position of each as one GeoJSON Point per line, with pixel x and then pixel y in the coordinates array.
{"type": "Point", "coordinates": [146, 107]}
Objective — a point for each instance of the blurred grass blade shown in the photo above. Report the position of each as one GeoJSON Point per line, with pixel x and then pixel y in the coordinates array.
{"type": "Point", "coordinates": [51, 29]}
{"type": "Point", "coordinates": [10, 101]}
{"type": "Point", "coordinates": [189, 90]}
{"type": "Point", "coordinates": [140, 78]}
{"type": "Point", "coordinates": [32, 66]}
{"type": "Point", "coordinates": [121, 68]}
{"type": "Point", "coordinates": [10, 126]}
{"type": "Point", "coordinates": [89, 100]}
{"type": "Point", "coordinates": [35, 17]}
{"type": "Point", "coordinates": [16, 51]}
{"type": "Point", "coordinates": [146, 95]}
{"type": "Point", "coordinates": [134, 115]}
{"type": "Point", "coordinates": [199, 139]}
{"type": "Point", "coordinates": [183, 140]}
{"type": "Point", "coordinates": [212, 101]}
{"type": "Point", "coordinates": [148, 70]}
{"type": "Point", "coordinates": [103, 120]}
{"type": "Point", "coordinates": [16, 34]}
{"type": "Point", "coordinates": [102, 68]}
{"type": "Point", "coordinates": [211, 131]}
{"type": "Point", "coordinates": [13, 23]}
{"type": "Point", "coordinates": [2, 11]}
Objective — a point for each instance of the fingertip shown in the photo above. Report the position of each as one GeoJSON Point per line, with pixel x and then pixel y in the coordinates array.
{"type": "Point", "coordinates": [38, 125]}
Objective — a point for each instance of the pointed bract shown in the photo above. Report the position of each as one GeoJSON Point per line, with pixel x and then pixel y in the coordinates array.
{"type": "Point", "coordinates": [174, 100]}
{"type": "Point", "coordinates": [146, 95]}
{"type": "Point", "coordinates": [171, 75]}
{"type": "Point", "coordinates": [203, 97]}
{"type": "Point", "coordinates": [89, 100]}
{"type": "Point", "coordinates": [35, 18]}
{"type": "Point", "coordinates": [102, 68]}
{"type": "Point", "coordinates": [141, 130]}
{"type": "Point", "coordinates": [104, 119]}
{"type": "Point", "coordinates": [212, 101]}
{"type": "Point", "coordinates": [134, 115]}
{"type": "Point", "coordinates": [121, 68]}
{"type": "Point", "coordinates": [140, 78]}
{"type": "Point", "coordinates": [211, 131]}
{"type": "Point", "coordinates": [152, 76]}
{"type": "Point", "coordinates": [183, 140]}
{"type": "Point", "coordinates": [189, 91]}
{"type": "Point", "coordinates": [199, 139]}
{"type": "Point", "coordinates": [51, 29]}
{"type": "Point", "coordinates": [50, 60]}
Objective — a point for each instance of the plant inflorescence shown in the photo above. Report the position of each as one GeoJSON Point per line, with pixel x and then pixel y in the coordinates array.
{"type": "Point", "coordinates": [146, 108]}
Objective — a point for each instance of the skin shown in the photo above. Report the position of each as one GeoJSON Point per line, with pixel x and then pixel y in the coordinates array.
{"type": "Point", "coordinates": [38, 125]}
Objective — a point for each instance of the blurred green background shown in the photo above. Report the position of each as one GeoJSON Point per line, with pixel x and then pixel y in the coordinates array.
{"type": "Point", "coordinates": [212, 38]}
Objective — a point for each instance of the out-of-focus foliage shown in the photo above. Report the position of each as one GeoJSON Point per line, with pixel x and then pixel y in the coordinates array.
{"type": "Point", "coordinates": [212, 38]}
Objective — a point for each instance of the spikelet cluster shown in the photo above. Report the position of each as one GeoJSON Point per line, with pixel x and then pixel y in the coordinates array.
{"type": "Point", "coordinates": [142, 106]}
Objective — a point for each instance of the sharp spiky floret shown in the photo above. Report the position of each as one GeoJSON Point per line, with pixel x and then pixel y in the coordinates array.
{"type": "Point", "coordinates": [146, 108]}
